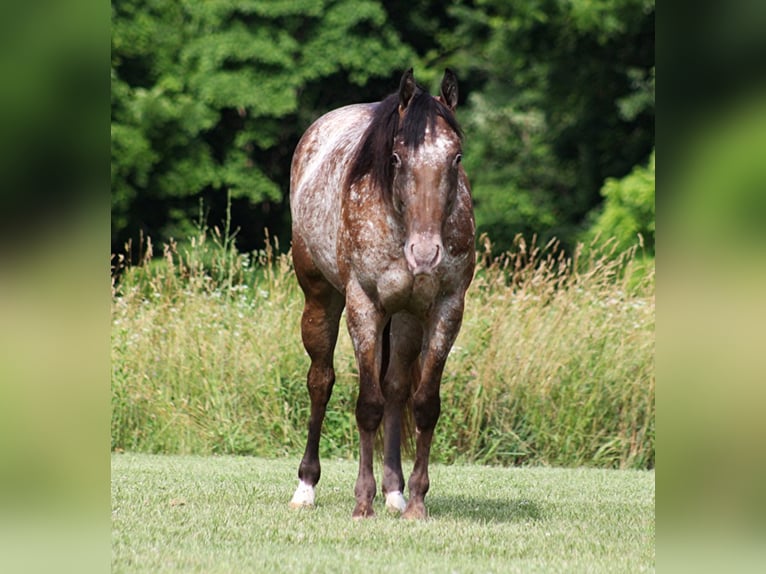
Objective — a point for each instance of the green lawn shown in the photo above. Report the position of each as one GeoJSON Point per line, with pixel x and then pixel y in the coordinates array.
{"type": "Point", "coordinates": [230, 514]}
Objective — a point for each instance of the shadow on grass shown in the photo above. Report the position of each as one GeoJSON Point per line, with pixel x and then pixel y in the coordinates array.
{"type": "Point", "coordinates": [483, 509]}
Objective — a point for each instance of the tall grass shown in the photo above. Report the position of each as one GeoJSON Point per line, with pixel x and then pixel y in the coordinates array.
{"type": "Point", "coordinates": [554, 363]}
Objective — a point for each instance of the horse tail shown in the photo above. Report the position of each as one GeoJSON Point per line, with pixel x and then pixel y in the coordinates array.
{"type": "Point", "coordinates": [386, 350]}
{"type": "Point", "coordinates": [385, 358]}
{"type": "Point", "coordinates": [408, 415]}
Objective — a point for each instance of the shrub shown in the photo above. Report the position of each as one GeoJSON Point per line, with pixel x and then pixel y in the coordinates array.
{"type": "Point", "coordinates": [628, 213]}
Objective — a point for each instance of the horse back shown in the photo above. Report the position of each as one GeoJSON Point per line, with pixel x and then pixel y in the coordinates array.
{"type": "Point", "coordinates": [319, 167]}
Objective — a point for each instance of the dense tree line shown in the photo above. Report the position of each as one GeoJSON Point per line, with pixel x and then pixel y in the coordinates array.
{"type": "Point", "coordinates": [210, 98]}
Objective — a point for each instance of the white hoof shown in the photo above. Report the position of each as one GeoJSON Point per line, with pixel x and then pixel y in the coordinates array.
{"type": "Point", "coordinates": [395, 501]}
{"type": "Point", "coordinates": [304, 496]}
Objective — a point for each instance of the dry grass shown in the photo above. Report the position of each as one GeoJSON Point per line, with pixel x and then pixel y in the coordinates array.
{"type": "Point", "coordinates": [555, 361]}
{"type": "Point", "coordinates": [554, 364]}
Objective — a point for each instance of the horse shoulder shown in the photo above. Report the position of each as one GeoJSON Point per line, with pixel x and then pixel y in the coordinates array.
{"type": "Point", "coordinates": [317, 174]}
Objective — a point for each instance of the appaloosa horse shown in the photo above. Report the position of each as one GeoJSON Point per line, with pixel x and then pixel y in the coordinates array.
{"type": "Point", "coordinates": [382, 223]}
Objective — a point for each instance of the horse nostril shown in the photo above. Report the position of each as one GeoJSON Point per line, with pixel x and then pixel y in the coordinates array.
{"type": "Point", "coordinates": [437, 256]}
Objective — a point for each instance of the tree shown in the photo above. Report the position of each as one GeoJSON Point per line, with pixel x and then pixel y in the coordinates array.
{"type": "Point", "coordinates": [209, 98]}
{"type": "Point", "coordinates": [568, 101]}
{"type": "Point", "coordinates": [628, 210]}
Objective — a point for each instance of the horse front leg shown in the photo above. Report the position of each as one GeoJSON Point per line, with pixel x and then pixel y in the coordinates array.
{"type": "Point", "coordinates": [406, 336]}
{"type": "Point", "coordinates": [365, 325]}
{"type": "Point", "coordinates": [439, 337]}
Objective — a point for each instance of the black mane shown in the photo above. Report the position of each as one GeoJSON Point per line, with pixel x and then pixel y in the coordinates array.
{"type": "Point", "coordinates": [373, 156]}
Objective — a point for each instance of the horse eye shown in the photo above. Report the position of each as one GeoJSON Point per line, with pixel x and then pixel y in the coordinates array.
{"type": "Point", "coordinates": [396, 161]}
{"type": "Point", "coordinates": [457, 159]}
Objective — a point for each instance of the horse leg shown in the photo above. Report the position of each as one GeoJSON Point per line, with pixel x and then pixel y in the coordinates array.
{"type": "Point", "coordinates": [440, 335]}
{"type": "Point", "coordinates": [319, 330]}
{"type": "Point", "coordinates": [365, 325]}
{"type": "Point", "coordinates": [405, 342]}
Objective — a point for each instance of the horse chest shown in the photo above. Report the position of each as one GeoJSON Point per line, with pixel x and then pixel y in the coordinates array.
{"type": "Point", "coordinates": [398, 290]}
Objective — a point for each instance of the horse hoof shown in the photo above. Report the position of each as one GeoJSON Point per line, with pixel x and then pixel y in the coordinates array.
{"type": "Point", "coordinates": [415, 511]}
{"type": "Point", "coordinates": [363, 511]}
{"type": "Point", "coordinates": [395, 502]}
{"type": "Point", "coordinates": [303, 497]}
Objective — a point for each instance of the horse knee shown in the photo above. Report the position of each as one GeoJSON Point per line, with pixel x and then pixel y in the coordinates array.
{"type": "Point", "coordinates": [320, 382]}
{"type": "Point", "coordinates": [426, 411]}
{"type": "Point", "coordinates": [369, 412]}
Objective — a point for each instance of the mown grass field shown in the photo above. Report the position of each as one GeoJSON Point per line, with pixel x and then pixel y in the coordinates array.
{"type": "Point", "coordinates": [230, 514]}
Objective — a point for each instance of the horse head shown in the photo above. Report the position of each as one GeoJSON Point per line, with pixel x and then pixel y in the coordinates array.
{"type": "Point", "coordinates": [425, 165]}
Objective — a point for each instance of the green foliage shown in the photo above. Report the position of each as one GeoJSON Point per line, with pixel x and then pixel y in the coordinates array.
{"type": "Point", "coordinates": [512, 171]}
{"type": "Point", "coordinates": [209, 100]}
{"type": "Point", "coordinates": [566, 102]}
{"type": "Point", "coordinates": [554, 363]}
{"type": "Point", "coordinates": [195, 514]}
{"type": "Point", "coordinates": [628, 210]}
{"type": "Point", "coordinates": [206, 97]}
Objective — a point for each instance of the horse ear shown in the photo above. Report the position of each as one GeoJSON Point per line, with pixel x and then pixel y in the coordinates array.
{"type": "Point", "coordinates": [406, 89]}
{"type": "Point", "coordinates": [449, 89]}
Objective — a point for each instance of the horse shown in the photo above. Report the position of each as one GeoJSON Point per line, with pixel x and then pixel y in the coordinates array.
{"type": "Point", "coordinates": [383, 226]}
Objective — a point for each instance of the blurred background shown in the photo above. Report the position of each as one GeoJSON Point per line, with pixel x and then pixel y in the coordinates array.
{"type": "Point", "coordinates": [207, 101]}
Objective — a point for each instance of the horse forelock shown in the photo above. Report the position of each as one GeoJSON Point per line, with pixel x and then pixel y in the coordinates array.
{"type": "Point", "coordinates": [421, 115]}
{"type": "Point", "coordinates": [373, 155]}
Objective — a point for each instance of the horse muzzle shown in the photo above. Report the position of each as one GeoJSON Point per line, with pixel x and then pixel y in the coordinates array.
{"type": "Point", "coordinates": [423, 252]}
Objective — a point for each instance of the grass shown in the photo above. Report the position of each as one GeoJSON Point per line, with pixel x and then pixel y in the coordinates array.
{"type": "Point", "coordinates": [230, 514]}
{"type": "Point", "coordinates": [554, 364]}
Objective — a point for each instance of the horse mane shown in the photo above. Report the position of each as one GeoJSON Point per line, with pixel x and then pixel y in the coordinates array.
{"type": "Point", "coordinates": [373, 154]}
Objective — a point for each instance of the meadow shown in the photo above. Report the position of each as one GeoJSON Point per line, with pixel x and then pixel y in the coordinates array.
{"type": "Point", "coordinates": [230, 514]}
{"type": "Point", "coordinates": [554, 365]}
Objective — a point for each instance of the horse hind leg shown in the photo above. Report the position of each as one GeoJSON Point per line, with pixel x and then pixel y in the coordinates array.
{"type": "Point", "coordinates": [319, 328]}
{"type": "Point", "coordinates": [319, 331]}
